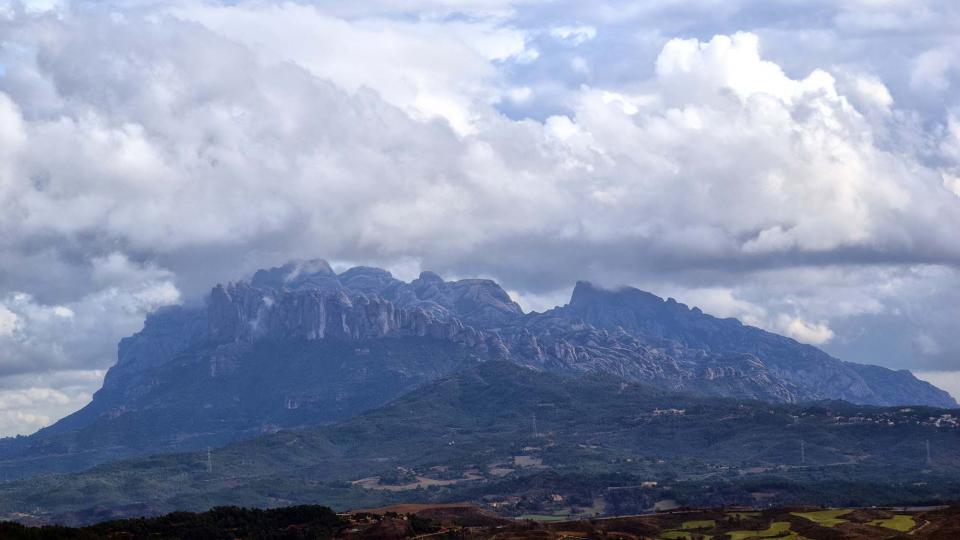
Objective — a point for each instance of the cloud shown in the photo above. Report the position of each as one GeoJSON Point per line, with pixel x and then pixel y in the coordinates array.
{"type": "Point", "coordinates": [573, 35]}
{"type": "Point", "coordinates": [730, 302]}
{"type": "Point", "coordinates": [931, 70]}
{"type": "Point", "coordinates": [38, 337]}
{"type": "Point", "coordinates": [541, 302]}
{"type": "Point", "coordinates": [867, 92]}
{"type": "Point", "coordinates": [928, 344]}
{"type": "Point", "coordinates": [947, 380]}
{"type": "Point", "coordinates": [429, 69]}
{"type": "Point", "coordinates": [8, 322]}
{"type": "Point", "coordinates": [786, 123]}
{"type": "Point", "coordinates": [729, 63]}
{"type": "Point", "coordinates": [726, 129]}
{"type": "Point", "coordinates": [53, 356]}
{"type": "Point", "coordinates": [28, 407]}
{"type": "Point", "coordinates": [340, 158]}
{"type": "Point", "coordinates": [804, 331]}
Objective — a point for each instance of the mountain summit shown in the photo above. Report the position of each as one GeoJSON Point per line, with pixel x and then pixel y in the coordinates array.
{"type": "Point", "coordinates": [302, 345]}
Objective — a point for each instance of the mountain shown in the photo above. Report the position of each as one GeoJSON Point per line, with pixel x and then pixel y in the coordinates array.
{"type": "Point", "coordinates": [495, 429]}
{"type": "Point", "coordinates": [808, 372]}
{"type": "Point", "coordinates": [302, 345]}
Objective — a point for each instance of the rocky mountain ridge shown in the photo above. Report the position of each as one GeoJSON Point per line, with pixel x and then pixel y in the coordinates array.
{"type": "Point", "coordinates": [808, 372]}
{"type": "Point", "coordinates": [303, 345]}
{"type": "Point", "coordinates": [627, 332]}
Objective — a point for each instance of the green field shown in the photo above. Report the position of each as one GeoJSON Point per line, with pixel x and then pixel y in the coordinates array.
{"type": "Point", "coordinates": [699, 524]}
{"type": "Point", "coordinates": [899, 522]}
{"type": "Point", "coordinates": [684, 535]}
{"type": "Point", "coordinates": [779, 529]}
{"type": "Point", "coordinates": [825, 518]}
{"type": "Point", "coordinates": [543, 517]}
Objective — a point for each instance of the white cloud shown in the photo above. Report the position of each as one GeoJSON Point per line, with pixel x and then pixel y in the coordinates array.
{"type": "Point", "coordinates": [728, 62]}
{"type": "Point", "coordinates": [12, 139]}
{"type": "Point", "coordinates": [931, 70]}
{"type": "Point", "coordinates": [950, 149]}
{"type": "Point", "coordinates": [728, 302]}
{"type": "Point", "coordinates": [946, 380]}
{"type": "Point", "coordinates": [574, 35]}
{"type": "Point", "coordinates": [426, 68]}
{"type": "Point", "coordinates": [541, 302]}
{"type": "Point", "coordinates": [8, 322]}
{"type": "Point", "coordinates": [38, 337]}
{"type": "Point", "coordinates": [928, 344]}
{"type": "Point", "coordinates": [741, 153]}
{"type": "Point", "coordinates": [952, 183]}
{"type": "Point", "coordinates": [868, 92]}
{"type": "Point", "coordinates": [349, 162]}
{"type": "Point", "coordinates": [722, 302]}
{"type": "Point", "coordinates": [29, 402]}
{"type": "Point", "coordinates": [580, 65]}
{"type": "Point", "coordinates": [950, 145]}
{"type": "Point", "coordinates": [520, 94]}
{"type": "Point", "coordinates": [816, 333]}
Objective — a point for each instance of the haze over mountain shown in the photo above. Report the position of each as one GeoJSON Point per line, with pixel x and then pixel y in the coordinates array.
{"type": "Point", "coordinates": [302, 345]}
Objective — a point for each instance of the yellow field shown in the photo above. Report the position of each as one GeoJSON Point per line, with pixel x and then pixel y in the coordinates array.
{"type": "Point", "coordinates": [683, 535]}
{"type": "Point", "coordinates": [544, 517]}
{"type": "Point", "coordinates": [898, 522]}
{"type": "Point", "coordinates": [825, 518]}
{"type": "Point", "coordinates": [777, 529]}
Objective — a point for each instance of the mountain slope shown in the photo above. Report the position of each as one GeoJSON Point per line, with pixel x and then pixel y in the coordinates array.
{"type": "Point", "coordinates": [813, 373]}
{"type": "Point", "coordinates": [496, 428]}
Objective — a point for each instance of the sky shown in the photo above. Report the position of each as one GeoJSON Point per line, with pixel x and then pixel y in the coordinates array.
{"type": "Point", "coordinates": [792, 163]}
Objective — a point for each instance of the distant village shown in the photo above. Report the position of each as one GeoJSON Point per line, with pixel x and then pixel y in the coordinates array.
{"type": "Point", "coordinates": [901, 417]}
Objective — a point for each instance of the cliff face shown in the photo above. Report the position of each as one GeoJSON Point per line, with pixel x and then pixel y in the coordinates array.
{"type": "Point", "coordinates": [477, 302]}
{"type": "Point", "coordinates": [803, 372]}
{"type": "Point", "coordinates": [242, 313]}
{"type": "Point", "coordinates": [627, 332]}
{"type": "Point", "coordinates": [303, 345]}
